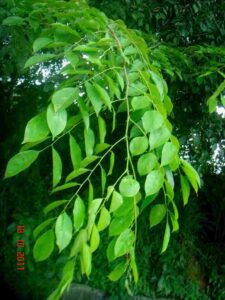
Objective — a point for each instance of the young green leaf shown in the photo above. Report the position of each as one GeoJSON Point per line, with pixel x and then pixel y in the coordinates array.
{"type": "Point", "coordinates": [118, 271]}
{"type": "Point", "coordinates": [44, 246]}
{"type": "Point", "coordinates": [76, 173]}
{"type": "Point", "coordinates": [38, 58]}
{"type": "Point", "coordinates": [95, 239]}
{"type": "Point", "coordinates": [84, 112]}
{"type": "Point", "coordinates": [53, 205]}
{"type": "Point", "coordinates": [110, 250]}
{"type": "Point", "coordinates": [174, 222]}
{"type": "Point", "coordinates": [57, 167]}
{"type": "Point", "coordinates": [124, 242]}
{"type": "Point", "coordinates": [36, 129]}
{"type": "Point", "coordinates": [134, 267]}
{"type": "Point", "coordinates": [42, 226]}
{"type": "Point", "coordinates": [65, 97]}
{"type": "Point", "coordinates": [129, 187]}
{"type": "Point", "coordinates": [119, 224]}
{"type": "Point", "coordinates": [152, 120]}
{"type": "Point", "coordinates": [65, 186]}
{"type": "Point", "coordinates": [20, 162]}
{"type": "Point", "coordinates": [146, 163]}
{"type": "Point", "coordinates": [86, 259]}
{"type": "Point", "coordinates": [192, 171]}
{"type": "Point", "coordinates": [104, 219]}
{"type": "Point", "coordinates": [41, 42]}
{"type": "Point", "coordinates": [78, 213]}
{"type": "Point", "coordinates": [154, 182]}
{"type": "Point", "coordinates": [56, 120]}
{"type": "Point", "coordinates": [89, 139]}
{"type": "Point", "coordinates": [13, 20]}
{"type": "Point", "coordinates": [185, 186]}
{"type": "Point", "coordinates": [111, 163]}
{"type": "Point", "coordinates": [159, 137]}
{"type": "Point", "coordinates": [138, 145]}
{"type": "Point", "coordinates": [102, 129]}
{"type": "Point", "coordinates": [79, 241]}
{"type": "Point", "coordinates": [103, 95]}
{"type": "Point", "coordinates": [166, 238]}
{"type": "Point", "coordinates": [75, 153]}
{"type": "Point", "coordinates": [103, 180]}
{"type": "Point", "coordinates": [94, 97]}
{"type": "Point", "coordinates": [157, 214]}
{"type": "Point", "coordinates": [116, 202]}
{"type": "Point", "coordinates": [169, 151]}
{"type": "Point", "coordinates": [120, 80]}
{"type": "Point", "coordinates": [140, 102]}
{"type": "Point", "coordinates": [63, 231]}
{"type": "Point", "coordinates": [88, 160]}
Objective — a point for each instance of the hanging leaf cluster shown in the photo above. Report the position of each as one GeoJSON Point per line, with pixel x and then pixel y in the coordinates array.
{"type": "Point", "coordinates": [107, 76]}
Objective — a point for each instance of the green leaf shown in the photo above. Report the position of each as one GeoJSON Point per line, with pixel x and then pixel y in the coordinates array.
{"type": "Point", "coordinates": [104, 219]}
{"type": "Point", "coordinates": [111, 163]}
{"type": "Point", "coordinates": [119, 224]}
{"type": "Point", "coordinates": [120, 80]}
{"type": "Point", "coordinates": [157, 214]}
{"type": "Point", "coordinates": [185, 186]}
{"type": "Point", "coordinates": [169, 151]}
{"type": "Point", "coordinates": [40, 43]}
{"type": "Point", "coordinates": [95, 239]}
{"type": "Point", "coordinates": [159, 83]}
{"type": "Point", "coordinates": [53, 205]}
{"type": "Point", "coordinates": [44, 246]}
{"type": "Point", "coordinates": [76, 173]}
{"type": "Point", "coordinates": [103, 95]}
{"type": "Point", "coordinates": [103, 180]}
{"type": "Point", "coordinates": [134, 267]}
{"type": "Point", "coordinates": [152, 120]}
{"type": "Point", "coordinates": [42, 226]}
{"type": "Point", "coordinates": [124, 242]}
{"type": "Point", "coordinates": [102, 129]}
{"type": "Point", "coordinates": [138, 145]}
{"type": "Point", "coordinates": [20, 162]}
{"type": "Point", "coordinates": [116, 202]}
{"type": "Point", "coordinates": [79, 241]}
{"type": "Point", "coordinates": [38, 58]}
{"type": "Point", "coordinates": [159, 137]}
{"type": "Point", "coordinates": [56, 120]}
{"type": "Point", "coordinates": [148, 200]}
{"type": "Point", "coordinates": [194, 173]}
{"type": "Point", "coordinates": [174, 222]}
{"type": "Point", "coordinates": [13, 20]}
{"type": "Point", "coordinates": [94, 97]}
{"type": "Point", "coordinates": [212, 102]}
{"type": "Point", "coordinates": [101, 147]}
{"type": "Point", "coordinates": [118, 271]}
{"type": "Point", "coordinates": [89, 139]}
{"type": "Point", "coordinates": [166, 238]}
{"type": "Point", "coordinates": [65, 97]}
{"type": "Point", "coordinates": [65, 187]}
{"type": "Point", "coordinates": [86, 259]}
{"type": "Point", "coordinates": [57, 167]}
{"type": "Point", "coordinates": [88, 160]}
{"type": "Point", "coordinates": [78, 213]}
{"type": "Point", "coordinates": [84, 112]}
{"type": "Point", "coordinates": [154, 182]}
{"type": "Point", "coordinates": [146, 163]}
{"type": "Point", "coordinates": [126, 207]}
{"type": "Point", "coordinates": [75, 153]}
{"type": "Point", "coordinates": [63, 231]}
{"type": "Point", "coordinates": [129, 187]}
{"type": "Point", "coordinates": [110, 250]}
{"type": "Point", "coordinates": [72, 58]}
{"type": "Point", "coordinates": [36, 129]}
{"type": "Point", "coordinates": [140, 102]}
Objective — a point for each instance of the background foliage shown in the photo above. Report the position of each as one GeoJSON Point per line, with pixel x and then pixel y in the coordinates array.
{"type": "Point", "coordinates": [193, 266]}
